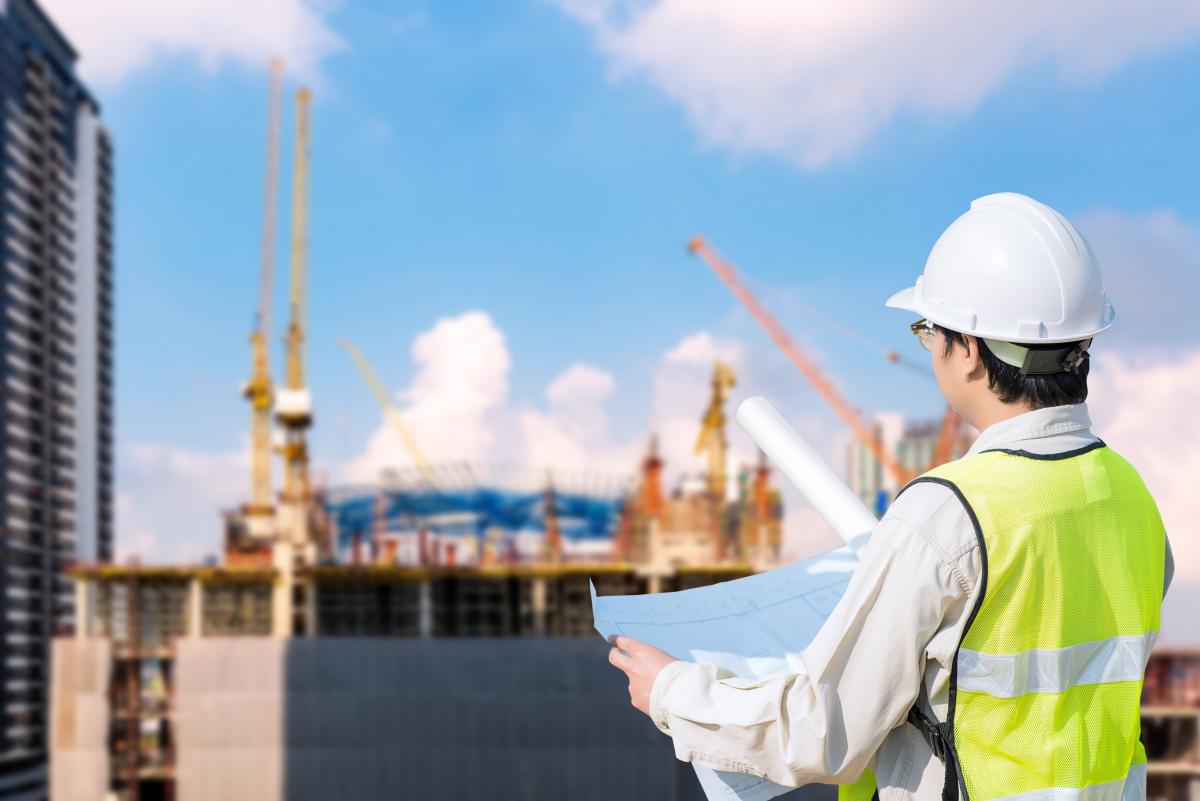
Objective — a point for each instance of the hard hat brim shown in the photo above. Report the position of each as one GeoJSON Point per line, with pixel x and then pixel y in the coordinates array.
{"type": "Point", "coordinates": [905, 299]}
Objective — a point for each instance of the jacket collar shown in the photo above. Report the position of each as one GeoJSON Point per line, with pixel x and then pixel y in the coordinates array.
{"type": "Point", "coordinates": [1039, 424]}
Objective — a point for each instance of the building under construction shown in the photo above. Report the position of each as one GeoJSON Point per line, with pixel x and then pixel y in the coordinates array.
{"type": "Point", "coordinates": [236, 681]}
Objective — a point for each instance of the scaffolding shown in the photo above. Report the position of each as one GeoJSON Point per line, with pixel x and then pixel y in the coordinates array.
{"type": "Point", "coordinates": [1171, 724]}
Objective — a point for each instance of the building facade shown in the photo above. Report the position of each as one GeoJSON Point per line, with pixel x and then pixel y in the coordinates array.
{"type": "Point", "coordinates": [55, 366]}
{"type": "Point", "coordinates": [913, 443]}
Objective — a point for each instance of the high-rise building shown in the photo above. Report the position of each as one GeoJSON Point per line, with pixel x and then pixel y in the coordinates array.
{"type": "Point", "coordinates": [913, 443]}
{"type": "Point", "coordinates": [55, 366]}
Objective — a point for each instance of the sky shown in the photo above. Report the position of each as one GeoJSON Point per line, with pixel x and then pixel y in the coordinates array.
{"type": "Point", "coordinates": [502, 194]}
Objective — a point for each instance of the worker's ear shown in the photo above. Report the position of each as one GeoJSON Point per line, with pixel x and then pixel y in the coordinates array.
{"type": "Point", "coordinates": [972, 365]}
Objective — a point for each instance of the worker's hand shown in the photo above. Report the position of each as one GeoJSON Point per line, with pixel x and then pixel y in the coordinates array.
{"type": "Point", "coordinates": [641, 664]}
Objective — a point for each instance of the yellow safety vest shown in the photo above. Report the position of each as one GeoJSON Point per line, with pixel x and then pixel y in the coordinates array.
{"type": "Point", "coordinates": [1045, 688]}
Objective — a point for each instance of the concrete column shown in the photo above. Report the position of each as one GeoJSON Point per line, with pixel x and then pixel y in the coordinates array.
{"type": "Point", "coordinates": [425, 608]}
{"type": "Point", "coordinates": [538, 598]}
{"type": "Point", "coordinates": [85, 617]}
{"type": "Point", "coordinates": [281, 592]}
{"type": "Point", "coordinates": [195, 608]}
{"type": "Point", "coordinates": [310, 609]}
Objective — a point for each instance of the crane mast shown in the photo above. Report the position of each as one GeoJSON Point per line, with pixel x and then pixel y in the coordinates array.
{"type": "Point", "coordinates": [258, 389]}
{"type": "Point", "coordinates": [712, 439]}
{"type": "Point", "coordinates": [293, 404]}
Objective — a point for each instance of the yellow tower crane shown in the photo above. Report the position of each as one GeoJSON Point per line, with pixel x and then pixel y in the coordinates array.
{"type": "Point", "coordinates": [389, 409]}
{"type": "Point", "coordinates": [293, 403]}
{"type": "Point", "coordinates": [712, 437]}
{"type": "Point", "coordinates": [258, 389]}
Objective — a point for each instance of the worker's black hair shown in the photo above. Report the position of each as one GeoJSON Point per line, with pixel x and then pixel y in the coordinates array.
{"type": "Point", "coordinates": [1035, 391]}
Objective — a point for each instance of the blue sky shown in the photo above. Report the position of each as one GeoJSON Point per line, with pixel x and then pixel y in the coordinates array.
{"type": "Point", "coordinates": [545, 163]}
{"type": "Point", "coordinates": [470, 156]}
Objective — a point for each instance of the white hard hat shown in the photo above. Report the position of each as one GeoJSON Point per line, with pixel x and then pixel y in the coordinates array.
{"type": "Point", "coordinates": [1011, 270]}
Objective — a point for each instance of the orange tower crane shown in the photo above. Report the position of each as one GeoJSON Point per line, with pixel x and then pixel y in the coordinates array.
{"type": "Point", "coordinates": [258, 389]}
{"type": "Point", "coordinates": [950, 437]}
{"type": "Point", "coordinates": [807, 366]}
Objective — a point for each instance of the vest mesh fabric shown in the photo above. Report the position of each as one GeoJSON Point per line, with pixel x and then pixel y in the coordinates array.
{"type": "Point", "coordinates": [1074, 551]}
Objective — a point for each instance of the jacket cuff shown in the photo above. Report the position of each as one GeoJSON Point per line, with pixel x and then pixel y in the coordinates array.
{"type": "Point", "coordinates": [658, 711]}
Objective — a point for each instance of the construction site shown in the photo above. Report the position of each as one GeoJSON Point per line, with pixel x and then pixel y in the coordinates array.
{"type": "Point", "coordinates": [429, 635]}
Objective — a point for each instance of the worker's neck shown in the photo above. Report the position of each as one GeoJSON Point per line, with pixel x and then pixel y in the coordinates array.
{"type": "Point", "coordinates": [985, 412]}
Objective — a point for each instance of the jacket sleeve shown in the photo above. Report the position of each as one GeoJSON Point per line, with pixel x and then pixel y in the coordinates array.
{"type": "Point", "coordinates": [861, 674]}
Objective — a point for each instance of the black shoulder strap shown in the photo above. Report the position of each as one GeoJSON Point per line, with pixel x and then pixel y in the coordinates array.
{"type": "Point", "coordinates": [938, 736]}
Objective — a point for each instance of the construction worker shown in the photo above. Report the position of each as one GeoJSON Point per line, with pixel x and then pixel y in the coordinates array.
{"type": "Point", "coordinates": [992, 641]}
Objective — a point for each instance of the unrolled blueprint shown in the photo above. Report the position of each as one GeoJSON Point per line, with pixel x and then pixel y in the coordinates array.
{"type": "Point", "coordinates": [751, 627]}
{"type": "Point", "coordinates": [756, 626]}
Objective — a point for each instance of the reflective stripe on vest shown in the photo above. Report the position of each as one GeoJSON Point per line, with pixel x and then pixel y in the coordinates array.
{"type": "Point", "coordinates": [1046, 686]}
{"type": "Point", "coordinates": [1055, 670]}
{"type": "Point", "coordinates": [1131, 788]}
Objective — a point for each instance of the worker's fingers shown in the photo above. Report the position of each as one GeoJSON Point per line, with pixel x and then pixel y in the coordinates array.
{"type": "Point", "coordinates": [626, 644]}
{"type": "Point", "coordinates": [618, 659]}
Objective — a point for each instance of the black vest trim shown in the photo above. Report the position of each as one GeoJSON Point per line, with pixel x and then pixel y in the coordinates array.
{"type": "Point", "coordinates": [1051, 457]}
{"type": "Point", "coordinates": [943, 733]}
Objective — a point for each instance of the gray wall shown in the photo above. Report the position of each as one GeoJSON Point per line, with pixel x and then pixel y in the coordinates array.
{"type": "Point", "coordinates": [447, 719]}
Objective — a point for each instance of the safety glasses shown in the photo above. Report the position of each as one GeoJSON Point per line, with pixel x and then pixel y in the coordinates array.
{"type": "Point", "coordinates": [924, 331]}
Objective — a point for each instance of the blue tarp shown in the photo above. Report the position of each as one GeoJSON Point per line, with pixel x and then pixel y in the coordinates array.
{"type": "Point", "coordinates": [474, 512]}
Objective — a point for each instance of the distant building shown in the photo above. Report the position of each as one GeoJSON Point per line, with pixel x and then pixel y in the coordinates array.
{"type": "Point", "coordinates": [913, 443]}
{"type": "Point", "coordinates": [56, 370]}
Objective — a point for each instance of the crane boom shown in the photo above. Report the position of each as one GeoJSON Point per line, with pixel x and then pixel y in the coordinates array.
{"type": "Point", "coordinates": [803, 363]}
{"type": "Point", "coordinates": [258, 389]}
{"type": "Point", "coordinates": [389, 410]}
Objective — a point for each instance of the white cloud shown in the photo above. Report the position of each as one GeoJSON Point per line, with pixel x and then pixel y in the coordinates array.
{"type": "Point", "coordinates": [581, 390]}
{"type": "Point", "coordinates": [1146, 410]}
{"type": "Point", "coordinates": [1151, 265]}
{"type": "Point", "coordinates": [1145, 384]}
{"type": "Point", "coordinates": [454, 406]}
{"type": "Point", "coordinates": [116, 38]}
{"type": "Point", "coordinates": [702, 348]}
{"type": "Point", "coordinates": [458, 410]}
{"type": "Point", "coordinates": [573, 434]}
{"type": "Point", "coordinates": [813, 82]}
{"type": "Point", "coordinates": [170, 499]}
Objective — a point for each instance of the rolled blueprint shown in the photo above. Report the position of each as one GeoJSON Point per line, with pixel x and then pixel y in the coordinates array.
{"type": "Point", "coordinates": [796, 459]}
